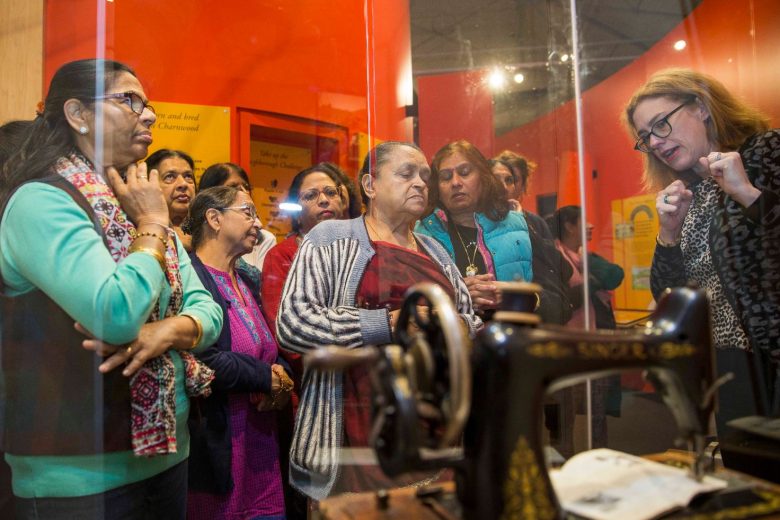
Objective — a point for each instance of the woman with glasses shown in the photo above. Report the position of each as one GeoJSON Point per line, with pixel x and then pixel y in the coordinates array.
{"type": "Point", "coordinates": [469, 214]}
{"type": "Point", "coordinates": [319, 193]}
{"type": "Point", "coordinates": [177, 181]}
{"type": "Point", "coordinates": [715, 165]}
{"type": "Point", "coordinates": [345, 288]}
{"type": "Point", "coordinates": [235, 470]}
{"type": "Point", "coordinates": [85, 237]}
{"type": "Point", "coordinates": [231, 174]}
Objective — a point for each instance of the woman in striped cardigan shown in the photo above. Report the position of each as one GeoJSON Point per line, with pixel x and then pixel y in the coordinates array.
{"type": "Point", "coordinates": [345, 288]}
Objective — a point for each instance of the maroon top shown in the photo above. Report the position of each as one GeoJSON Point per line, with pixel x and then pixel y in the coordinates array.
{"type": "Point", "coordinates": [391, 271]}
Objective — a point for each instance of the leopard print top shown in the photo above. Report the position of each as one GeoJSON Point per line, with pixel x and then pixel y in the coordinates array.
{"type": "Point", "coordinates": [726, 329]}
{"type": "Point", "coordinates": [741, 246]}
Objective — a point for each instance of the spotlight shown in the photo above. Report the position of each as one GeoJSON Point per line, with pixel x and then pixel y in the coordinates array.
{"type": "Point", "coordinates": [564, 58]}
{"type": "Point", "coordinates": [680, 45]}
{"type": "Point", "coordinates": [496, 80]}
{"type": "Point", "coordinates": [519, 78]}
{"type": "Point", "coordinates": [290, 207]}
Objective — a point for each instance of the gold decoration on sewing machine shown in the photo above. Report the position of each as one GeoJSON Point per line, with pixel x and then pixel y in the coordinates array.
{"type": "Point", "coordinates": [597, 350]}
{"type": "Point", "coordinates": [671, 350]}
{"type": "Point", "coordinates": [525, 490]}
{"type": "Point", "coordinates": [551, 349]}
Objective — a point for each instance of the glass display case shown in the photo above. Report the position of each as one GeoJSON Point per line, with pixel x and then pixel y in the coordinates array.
{"type": "Point", "coordinates": [533, 93]}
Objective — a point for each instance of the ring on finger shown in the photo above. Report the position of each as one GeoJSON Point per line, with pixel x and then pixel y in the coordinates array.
{"type": "Point", "coordinates": [717, 156]}
{"type": "Point", "coordinates": [666, 198]}
{"type": "Point", "coordinates": [129, 350]}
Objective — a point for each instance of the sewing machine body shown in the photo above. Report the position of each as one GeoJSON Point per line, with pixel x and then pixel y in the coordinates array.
{"type": "Point", "coordinates": [515, 365]}
{"type": "Point", "coordinates": [494, 394]}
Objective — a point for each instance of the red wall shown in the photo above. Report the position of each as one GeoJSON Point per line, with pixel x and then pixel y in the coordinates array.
{"type": "Point", "coordinates": [330, 61]}
{"type": "Point", "coordinates": [720, 43]}
{"type": "Point", "coordinates": [455, 106]}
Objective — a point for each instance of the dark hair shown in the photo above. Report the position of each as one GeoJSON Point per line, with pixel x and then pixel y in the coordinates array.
{"type": "Point", "coordinates": [378, 156]}
{"type": "Point", "coordinates": [217, 174]}
{"type": "Point", "coordinates": [520, 167]}
{"type": "Point", "coordinates": [216, 197]}
{"type": "Point", "coordinates": [154, 160]}
{"type": "Point", "coordinates": [493, 201]}
{"type": "Point", "coordinates": [564, 215]}
{"type": "Point", "coordinates": [50, 137]}
{"type": "Point", "coordinates": [11, 135]}
{"type": "Point", "coordinates": [295, 186]}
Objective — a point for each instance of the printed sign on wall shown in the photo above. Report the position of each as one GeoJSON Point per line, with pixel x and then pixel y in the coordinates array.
{"type": "Point", "coordinates": [202, 131]}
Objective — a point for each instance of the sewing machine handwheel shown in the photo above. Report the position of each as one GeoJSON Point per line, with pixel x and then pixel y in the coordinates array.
{"type": "Point", "coordinates": [437, 360]}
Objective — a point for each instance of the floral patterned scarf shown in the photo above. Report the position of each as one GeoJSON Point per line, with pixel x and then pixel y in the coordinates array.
{"type": "Point", "coordinates": [152, 389]}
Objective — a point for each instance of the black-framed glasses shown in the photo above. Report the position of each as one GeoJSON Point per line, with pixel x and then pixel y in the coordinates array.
{"type": "Point", "coordinates": [661, 128]}
{"type": "Point", "coordinates": [313, 195]}
{"type": "Point", "coordinates": [131, 99]}
{"type": "Point", "coordinates": [248, 210]}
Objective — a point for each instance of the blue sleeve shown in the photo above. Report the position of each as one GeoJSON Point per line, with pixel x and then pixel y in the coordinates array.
{"type": "Point", "coordinates": [48, 242]}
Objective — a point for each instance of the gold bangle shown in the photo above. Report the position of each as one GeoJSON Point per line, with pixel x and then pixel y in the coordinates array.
{"type": "Point", "coordinates": [199, 326]}
{"type": "Point", "coordinates": [666, 244]}
{"type": "Point", "coordinates": [155, 235]}
{"type": "Point", "coordinates": [150, 251]}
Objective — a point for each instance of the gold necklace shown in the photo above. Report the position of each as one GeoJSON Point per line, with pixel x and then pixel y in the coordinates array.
{"type": "Point", "coordinates": [471, 269]}
{"type": "Point", "coordinates": [410, 237]}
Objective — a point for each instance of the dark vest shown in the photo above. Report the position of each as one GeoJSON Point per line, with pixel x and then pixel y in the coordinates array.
{"type": "Point", "coordinates": [55, 401]}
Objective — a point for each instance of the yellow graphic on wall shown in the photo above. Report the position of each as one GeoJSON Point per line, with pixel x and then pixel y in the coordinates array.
{"type": "Point", "coordinates": [635, 227]}
{"type": "Point", "coordinates": [202, 131]}
{"type": "Point", "coordinates": [272, 168]}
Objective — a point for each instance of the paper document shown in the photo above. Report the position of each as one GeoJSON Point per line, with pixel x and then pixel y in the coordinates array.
{"type": "Point", "coordinates": [610, 485]}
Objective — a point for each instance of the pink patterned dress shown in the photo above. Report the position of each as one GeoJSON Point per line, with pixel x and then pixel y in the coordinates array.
{"type": "Point", "coordinates": [255, 468]}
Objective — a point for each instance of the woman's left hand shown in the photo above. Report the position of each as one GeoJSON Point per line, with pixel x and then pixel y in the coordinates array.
{"type": "Point", "coordinates": [729, 172]}
{"type": "Point", "coordinates": [154, 339]}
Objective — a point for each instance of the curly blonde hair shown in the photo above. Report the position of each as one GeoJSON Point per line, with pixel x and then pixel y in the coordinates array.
{"type": "Point", "coordinates": [730, 123]}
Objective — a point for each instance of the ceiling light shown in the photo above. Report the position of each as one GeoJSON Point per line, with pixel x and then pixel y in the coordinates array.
{"type": "Point", "coordinates": [519, 78]}
{"type": "Point", "coordinates": [564, 58]}
{"type": "Point", "coordinates": [497, 80]}
{"type": "Point", "coordinates": [680, 45]}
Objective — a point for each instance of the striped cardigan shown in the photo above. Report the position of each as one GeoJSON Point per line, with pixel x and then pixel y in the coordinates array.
{"type": "Point", "coordinates": [318, 309]}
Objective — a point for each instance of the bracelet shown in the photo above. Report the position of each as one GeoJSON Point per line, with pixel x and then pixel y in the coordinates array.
{"type": "Point", "coordinates": [155, 235]}
{"type": "Point", "coordinates": [285, 383]}
{"type": "Point", "coordinates": [150, 251]}
{"type": "Point", "coordinates": [199, 326]}
{"type": "Point", "coordinates": [667, 244]}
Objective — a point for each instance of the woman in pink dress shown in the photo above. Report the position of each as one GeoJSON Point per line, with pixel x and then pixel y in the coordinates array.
{"type": "Point", "coordinates": [235, 469]}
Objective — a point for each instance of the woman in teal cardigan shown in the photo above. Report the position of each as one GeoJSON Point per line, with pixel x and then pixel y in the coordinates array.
{"type": "Point", "coordinates": [470, 216]}
{"type": "Point", "coordinates": [85, 238]}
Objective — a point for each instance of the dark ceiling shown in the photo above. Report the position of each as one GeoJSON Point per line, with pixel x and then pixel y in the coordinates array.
{"type": "Point", "coordinates": [533, 37]}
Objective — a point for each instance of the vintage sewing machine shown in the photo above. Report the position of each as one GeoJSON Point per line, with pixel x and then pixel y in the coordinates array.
{"type": "Point", "coordinates": [432, 389]}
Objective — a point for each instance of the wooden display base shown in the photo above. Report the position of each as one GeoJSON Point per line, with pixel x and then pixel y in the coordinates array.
{"type": "Point", "coordinates": [746, 497]}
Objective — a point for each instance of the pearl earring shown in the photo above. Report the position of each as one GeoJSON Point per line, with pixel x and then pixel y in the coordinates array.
{"type": "Point", "coordinates": [83, 130]}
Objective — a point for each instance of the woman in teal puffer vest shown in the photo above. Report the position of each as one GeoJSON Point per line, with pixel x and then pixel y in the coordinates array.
{"type": "Point", "coordinates": [470, 216]}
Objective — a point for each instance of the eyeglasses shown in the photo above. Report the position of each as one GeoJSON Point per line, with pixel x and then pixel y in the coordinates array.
{"type": "Point", "coordinates": [463, 170]}
{"type": "Point", "coordinates": [313, 195]}
{"type": "Point", "coordinates": [661, 128]}
{"type": "Point", "coordinates": [248, 210]}
{"type": "Point", "coordinates": [131, 99]}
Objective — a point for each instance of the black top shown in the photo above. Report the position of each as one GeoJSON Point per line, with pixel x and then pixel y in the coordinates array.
{"type": "Point", "coordinates": [464, 244]}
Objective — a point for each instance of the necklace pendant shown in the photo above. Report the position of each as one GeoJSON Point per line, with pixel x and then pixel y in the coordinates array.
{"type": "Point", "coordinates": [471, 270]}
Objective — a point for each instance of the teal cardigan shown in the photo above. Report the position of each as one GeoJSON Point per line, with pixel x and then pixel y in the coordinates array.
{"type": "Point", "coordinates": [48, 242]}
{"type": "Point", "coordinates": [505, 245]}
